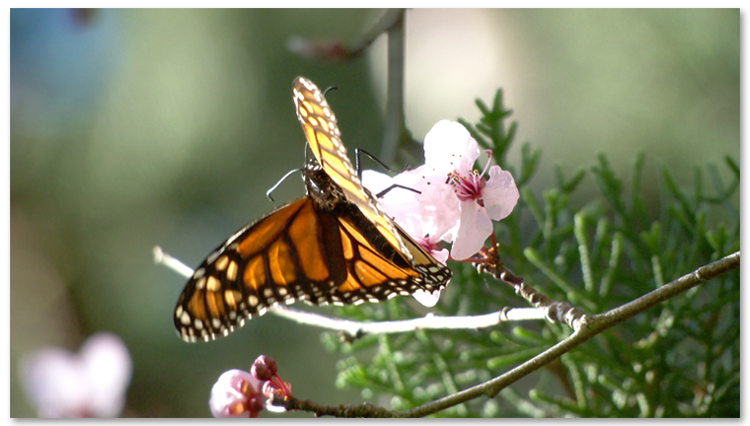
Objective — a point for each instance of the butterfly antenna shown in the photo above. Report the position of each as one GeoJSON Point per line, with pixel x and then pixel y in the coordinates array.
{"type": "Point", "coordinates": [273, 188]}
{"type": "Point", "coordinates": [357, 164]}
{"type": "Point", "coordinates": [325, 92]}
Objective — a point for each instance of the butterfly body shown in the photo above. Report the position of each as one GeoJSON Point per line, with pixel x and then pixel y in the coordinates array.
{"type": "Point", "coordinates": [332, 246]}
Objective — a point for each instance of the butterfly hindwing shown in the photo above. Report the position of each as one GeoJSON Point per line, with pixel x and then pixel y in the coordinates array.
{"type": "Point", "coordinates": [230, 285]}
{"type": "Point", "coordinates": [300, 251]}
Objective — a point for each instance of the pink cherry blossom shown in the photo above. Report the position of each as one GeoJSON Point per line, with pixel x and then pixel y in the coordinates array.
{"type": "Point", "coordinates": [237, 393]}
{"type": "Point", "coordinates": [450, 153]}
{"type": "Point", "coordinates": [92, 383]}
{"type": "Point", "coordinates": [455, 203]}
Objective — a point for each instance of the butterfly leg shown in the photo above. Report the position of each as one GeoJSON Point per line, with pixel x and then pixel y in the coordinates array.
{"type": "Point", "coordinates": [357, 163]}
{"type": "Point", "coordinates": [394, 186]}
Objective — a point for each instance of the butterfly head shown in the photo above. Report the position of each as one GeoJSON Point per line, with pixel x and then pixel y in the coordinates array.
{"type": "Point", "coordinates": [321, 188]}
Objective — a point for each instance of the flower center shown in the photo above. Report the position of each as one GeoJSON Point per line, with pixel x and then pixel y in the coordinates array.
{"type": "Point", "coordinates": [468, 188]}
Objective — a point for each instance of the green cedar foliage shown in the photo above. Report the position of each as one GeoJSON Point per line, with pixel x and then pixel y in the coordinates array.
{"type": "Point", "coordinates": [678, 359]}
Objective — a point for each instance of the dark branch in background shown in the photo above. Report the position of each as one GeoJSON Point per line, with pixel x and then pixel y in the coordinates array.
{"type": "Point", "coordinates": [391, 18]}
{"type": "Point", "coordinates": [395, 118]}
{"type": "Point", "coordinates": [391, 23]}
{"type": "Point", "coordinates": [336, 50]}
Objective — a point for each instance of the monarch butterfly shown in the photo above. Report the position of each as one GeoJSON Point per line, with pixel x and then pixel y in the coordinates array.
{"type": "Point", "coordinates": [334, 245]}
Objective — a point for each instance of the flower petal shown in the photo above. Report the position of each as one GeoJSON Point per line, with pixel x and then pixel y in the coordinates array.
{"type": "Point", "coordinates": [425, 298]}
{"type": "Point", "coordinates": [52, 380]}
{"type": "Point", "coordinates": [397, 202]}
{"type": "Point", "coordinates": [108, 369]}
{"type": "Point", "coordinates": [475, 227]}
{"type": "Point", "coordinates": [440, 210]}
{"type": "Point", "coordinates": [375, 181]}
{"type": "Point", "coordinates": [440, 255]}
{"type": "Point", "coordinates": [448, 144]}
{"type": "Point", "coordinates": [500, 194]}
{"type": "Point", "coordinates": [226, 393]}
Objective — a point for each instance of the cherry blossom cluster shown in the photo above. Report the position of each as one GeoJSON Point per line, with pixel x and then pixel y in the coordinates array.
{"type": "Point", "coordinates": [450, 200]}
{"type": "Point", "coordinates": [447, 199]}
{"type": "Point", "coordinates": [239, 393]}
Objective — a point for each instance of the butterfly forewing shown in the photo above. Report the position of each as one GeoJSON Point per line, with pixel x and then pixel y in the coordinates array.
{"type": "Point", "coordinates": [323, 134]}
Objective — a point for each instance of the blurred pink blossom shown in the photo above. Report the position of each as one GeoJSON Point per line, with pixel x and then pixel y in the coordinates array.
{"type": "Point", "coordinates": [91, 383]}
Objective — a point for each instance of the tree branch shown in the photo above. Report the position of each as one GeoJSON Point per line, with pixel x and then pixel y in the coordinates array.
{"type": "Point", "coordinates": [590, 326]}
{"type": "Point", "coordinates": [587, 327]}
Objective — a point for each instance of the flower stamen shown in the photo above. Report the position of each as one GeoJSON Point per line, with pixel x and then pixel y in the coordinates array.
{"type": "Point", "coordinates": [468, 188]}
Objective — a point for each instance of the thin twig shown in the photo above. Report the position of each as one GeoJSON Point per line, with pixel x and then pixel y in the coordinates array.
{"type": "Point", "coordinates": [359, 328]}
{"type": "Point", "coordinates": [488, 261]}
{"type": "Point", "coordinates": [428, 322]}
{"type": "Point", "coordinates": [589, 326]}
{"type": "Point", "coordinates": [667, 291]}
{"type": "Point", "coordinates": [160, 257]}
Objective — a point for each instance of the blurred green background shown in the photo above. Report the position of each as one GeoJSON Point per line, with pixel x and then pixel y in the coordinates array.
{"type": "Point", "coordinates": [136, 128]}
